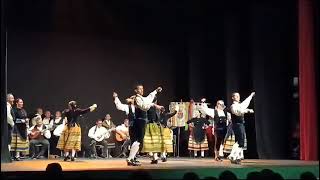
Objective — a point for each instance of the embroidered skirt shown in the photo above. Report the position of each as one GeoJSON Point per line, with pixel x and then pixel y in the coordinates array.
{"type": "Point", "coordinates": [70, 138]}
{"type": "Point", "coordinates": [168, 140]}
{"type": "Point", "coordinates": [153, 139]}
{"type": "Point", "coordinates": [197, 146]}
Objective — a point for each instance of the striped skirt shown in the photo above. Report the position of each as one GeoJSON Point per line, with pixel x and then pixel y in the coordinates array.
{"type": "Point", "coordinates": [18, 144]}
{"type": "Point", "coordinates": [168, 140]}
{"type": "Point", "coordinates": [70, 139]}
{"type": "Point", "coordinates": [197, 146]}
{"type": "Point", "coordinates": [153, 139]}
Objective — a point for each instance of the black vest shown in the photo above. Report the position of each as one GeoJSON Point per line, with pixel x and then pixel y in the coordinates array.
{"type": "Point", "coordinates": [220, 122]}
{"type": "Point", "coordinates": [237, 119]}
{"type": "Point", "coordinates": [140, 114]}
{"type": "Point", "coordinates": [131, 115]}
{"type": "Point", "coordinates": [152, 115]}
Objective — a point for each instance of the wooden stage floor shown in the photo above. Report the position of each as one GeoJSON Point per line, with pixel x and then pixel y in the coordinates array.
{"type": "Point", "coordinates": [204, 167]}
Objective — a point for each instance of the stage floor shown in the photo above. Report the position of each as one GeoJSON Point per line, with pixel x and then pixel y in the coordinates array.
{"type": "Point", "coordinates": [203, 167]}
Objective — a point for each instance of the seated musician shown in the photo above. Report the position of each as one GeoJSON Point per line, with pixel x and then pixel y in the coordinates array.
{"type": "Point", "coordinates": [38, 134]}
{"type": "Point", "coordinates": [99, 136]}
{"type": "Point", "coordinates": [122, 136]}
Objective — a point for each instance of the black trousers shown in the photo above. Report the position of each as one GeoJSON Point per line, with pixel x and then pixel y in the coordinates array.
{"type": "Point", "coordinates": [53, 145]}
{"type": "Point", "coordinates": [239, 133]}
{"type": "Point", "coordinates": [137, 130]}
{"type": "Point", "coordinates": [219, 134]}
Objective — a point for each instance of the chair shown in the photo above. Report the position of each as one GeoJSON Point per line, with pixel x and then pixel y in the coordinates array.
{"type": "Point", "coordinates": [40, 145]}
{"type": "Point", "coordinates": [110, 146]}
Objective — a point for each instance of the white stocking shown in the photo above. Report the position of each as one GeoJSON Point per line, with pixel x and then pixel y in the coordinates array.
{"type": "Point", "coordinates": [134, 149]}
{"type": "Point", "coordinates": [234, 150]}
{"type": "Point", "coordinates": [221, 151]}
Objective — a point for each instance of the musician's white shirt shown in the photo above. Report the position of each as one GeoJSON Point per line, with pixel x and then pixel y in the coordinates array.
{"type": "Point", "coordinates": [96, 131]}
{"type": "Point", "coordinates": [122, 128]}
{"type": "Point", "coordinates": [46, 133]}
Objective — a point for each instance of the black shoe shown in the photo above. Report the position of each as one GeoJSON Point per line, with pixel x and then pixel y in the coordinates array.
{"type": "Point", "coordinates": [17, 159]}
{"type": "Point", "coordinates": [66, 158]}
{"type": "Point", "coordinates": [103, 156]}
{"type": "Point", "coordinates": [164, 159]}
{"type": "Point", "coordinates": [235, 161]}
{"type": "Point", "coordinates": [238, 161]}
{"type": "Point", "coordinates": [154, 161]}
{"type": "Point", "coordinates": [131, 162]}
{"type": "Point", "coordinates": [218, 158]}
{"type": "Point", "coordinates": [72, 158]}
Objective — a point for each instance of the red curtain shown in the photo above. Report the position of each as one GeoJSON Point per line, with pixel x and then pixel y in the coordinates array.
{"type": "Point", "coordinates": [307, 82]}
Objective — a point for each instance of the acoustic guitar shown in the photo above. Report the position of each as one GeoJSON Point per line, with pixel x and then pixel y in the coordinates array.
{"type": "Point", "coordinates": [35, 133]}
{"type": "Point", "coordinates": [121, 137]}
{"type": "Point", "coordinates": [106, 135]}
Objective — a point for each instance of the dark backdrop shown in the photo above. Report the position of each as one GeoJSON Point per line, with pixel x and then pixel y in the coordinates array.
{"type": "Point", "coordinates": [84, 50]}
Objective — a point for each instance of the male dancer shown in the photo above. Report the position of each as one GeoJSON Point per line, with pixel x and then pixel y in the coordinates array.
{"type": "Point", "coordinates": [137, 125]}
{"type": "Point", "coordinates": [237, 117]}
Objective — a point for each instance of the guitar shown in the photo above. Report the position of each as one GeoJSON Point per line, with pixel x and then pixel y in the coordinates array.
{"type": "Point", "coordinates": [35, 133]}
{"type": "Point", "coordinates": [106, 135]}
{"type": "Point", "coordinates": [121, 137]}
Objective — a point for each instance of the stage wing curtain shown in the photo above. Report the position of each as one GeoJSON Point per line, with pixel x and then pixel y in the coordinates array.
{"type": "Point", "coordinates": [307, 84]}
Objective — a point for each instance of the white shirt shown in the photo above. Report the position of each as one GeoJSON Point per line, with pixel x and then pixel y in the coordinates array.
{"type": "Point", "coordinates": [122, 128]}
{"type": "Point", "coordinates": [144, 103]}
{"type": "Point", "coordinates": [46, 121]}
{"type": "Point", "coordinates": [96, 131]}
{"type": "Point", "coordinates": [9, 115]}
{"type": "Point", "coordinates": [123, 107]}
{"type": "Point", "coordinates": [239, 109]}
{"type": "Point", "coordinates": [46, 132]}
{"type": "Point", "coordinates": [35, 119]}
{"type": "Point", "coordinates": [57, 120]}
{"type": "Point", "coordinates": [210, 111]}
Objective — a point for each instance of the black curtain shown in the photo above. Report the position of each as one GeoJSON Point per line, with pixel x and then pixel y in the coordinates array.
{"type": "Point", "coordinates": [5, 157]}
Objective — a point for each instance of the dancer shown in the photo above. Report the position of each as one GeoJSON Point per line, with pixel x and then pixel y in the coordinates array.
{"type": "Point", "coordinates": [153, 140]}
{"type": "Point", "coordinates": [221, 120]}
{"type": "Point", "coordinates": [237, 116]}
{"type": "Point", "coordinates": [70, 139]}
{"type": "Point", "coordinates": [198, 138]}
{"type": "Point", "coordinates": [19, 142]}
{"type": "Point", "coordinates": [137, 125]}
{"type": "Point", "coordinates": [166, 132]}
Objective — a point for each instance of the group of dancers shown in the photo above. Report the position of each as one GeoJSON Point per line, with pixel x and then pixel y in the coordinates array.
{"type": "Point", "coordinates": [148, 126]}
{"type": "Point", "coordinates": [147, 122]}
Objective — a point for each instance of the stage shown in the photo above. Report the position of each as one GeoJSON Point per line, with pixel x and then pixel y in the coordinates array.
{"type": "Point", "coordinates": [174, 168]}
